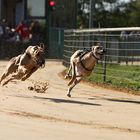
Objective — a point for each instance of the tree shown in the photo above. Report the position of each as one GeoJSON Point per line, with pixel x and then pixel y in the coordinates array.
{"type": "Point", "coordinates": [110, 13]}
{"type": "Point", "coordinates": [103, 9]}
{"type": "Point", "coordinates": [133, 13]}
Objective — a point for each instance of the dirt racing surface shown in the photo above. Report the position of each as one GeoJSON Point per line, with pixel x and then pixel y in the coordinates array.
{"type": "Point", "coordinates": [38, 109]}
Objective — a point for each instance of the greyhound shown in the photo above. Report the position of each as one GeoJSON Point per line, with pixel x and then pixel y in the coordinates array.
{"type": "Point", "coordinates": [24, 65]}
{"type": "Point", "coordinates": [81, 65]}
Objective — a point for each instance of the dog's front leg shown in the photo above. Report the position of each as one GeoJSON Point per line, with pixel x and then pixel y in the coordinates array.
{"type": "Point", "coordinates": [75, 82]}
{"type": "Point", "coordinates": [28, 74]}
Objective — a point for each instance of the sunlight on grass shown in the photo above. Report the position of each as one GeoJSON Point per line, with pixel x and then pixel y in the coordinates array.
{"type": "Point", "coordinates": [118, 76]}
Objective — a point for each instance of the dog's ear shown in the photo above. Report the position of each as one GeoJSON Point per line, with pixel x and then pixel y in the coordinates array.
{"type": "Point", "coordinates": [98, 44]}
{"type": "Point", "coordinates": [92, 48]}
{"type": "Point", "coordinates": [28, 49]}
{"type": "Point", "coordinates": [42, 45]}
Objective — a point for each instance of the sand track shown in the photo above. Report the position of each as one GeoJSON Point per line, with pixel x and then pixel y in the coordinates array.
{"type": "Point", "coordinates": [91, 113]}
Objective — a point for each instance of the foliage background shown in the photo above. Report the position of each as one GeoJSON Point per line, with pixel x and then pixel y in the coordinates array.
{"type": "Point", "coordinates": [109, 13]}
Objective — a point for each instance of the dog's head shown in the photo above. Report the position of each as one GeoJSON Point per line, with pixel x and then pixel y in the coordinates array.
{"type": "Point", "coordinates": [98, 51]}
{"type": "Point", "coordinates": [37, 53]}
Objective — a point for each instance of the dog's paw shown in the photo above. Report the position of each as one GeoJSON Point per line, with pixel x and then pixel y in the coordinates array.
{"type": "Point", "coordinates": [68, 95]}
{"type": "Point", "coordinates": [23, 78]}
{"type": "Point", "coordinates": [3, 84]}
{"type": "Point", "coordinates": [66, 76]}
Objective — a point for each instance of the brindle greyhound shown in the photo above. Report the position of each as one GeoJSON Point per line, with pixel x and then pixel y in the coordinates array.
{"type": "Point", "coordinates": [24, 65]}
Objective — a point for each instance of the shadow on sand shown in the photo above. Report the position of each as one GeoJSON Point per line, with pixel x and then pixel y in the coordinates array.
{"type": "Point", "coordinates": [66, 101]}
{"type": "Point", "coordinates": [124, 101]}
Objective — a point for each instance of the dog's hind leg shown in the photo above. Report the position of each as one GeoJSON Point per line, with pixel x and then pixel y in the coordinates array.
{"type": "Point", "coordinates": [11, 67]}
{"type": "Point", "coordinates": [4, 75]}
{"type": "Point", "coordinates": [7, 81]}
{"type": "Point", "coordinates": [68, 73]}
{"type": "Point", "coordinates": [75, 82]}
{"type": "Point", "coordinates": [16, 76]}
{"type": "Point", "coordinates": [73, 74]}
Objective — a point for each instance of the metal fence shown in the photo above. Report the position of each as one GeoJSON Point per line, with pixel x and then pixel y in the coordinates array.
{"type": "Point", "coordinates": [11, 49]}
{"type": "Point", "coordinates": [56, 43]}
{"type": "Point", "coordinates": [121, 49]}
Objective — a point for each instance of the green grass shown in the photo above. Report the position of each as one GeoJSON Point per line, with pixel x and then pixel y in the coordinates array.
{"type": "Point", "coordinates": [117, 76]}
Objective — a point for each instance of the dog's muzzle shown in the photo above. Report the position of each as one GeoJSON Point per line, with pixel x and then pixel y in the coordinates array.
{"type": "Point", "coordinates": [102, 52]}
{"type": "Point", "coordinates": [40, 58]}
{"type": "Point", "coordinates": [41, 63]}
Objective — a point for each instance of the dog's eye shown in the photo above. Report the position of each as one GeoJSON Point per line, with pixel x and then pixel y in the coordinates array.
{"type": "Point", "coordinates": [35, 48]}
{"type": "Point", "coordinates": [100, 48]}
